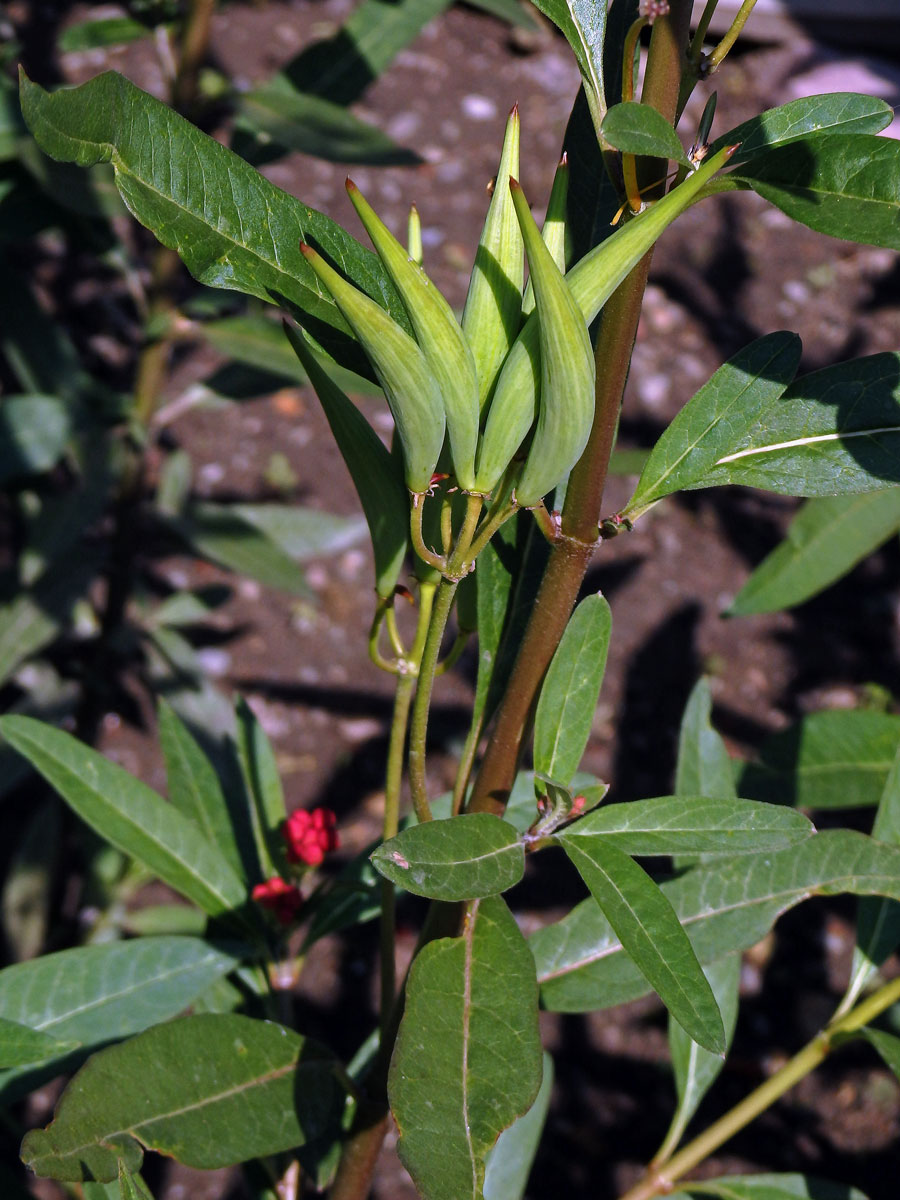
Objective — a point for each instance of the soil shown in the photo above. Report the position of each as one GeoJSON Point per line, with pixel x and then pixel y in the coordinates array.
{"type": "Point", "coordinates": [733, 269]}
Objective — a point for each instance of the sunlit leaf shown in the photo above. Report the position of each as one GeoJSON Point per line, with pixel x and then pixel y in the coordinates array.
{"type": "Point", "coordinates": [464, 858]}
{"type": "Point", "coordinates": [834, 112]}
{"type": "Point", "coordinates": [641, 129]}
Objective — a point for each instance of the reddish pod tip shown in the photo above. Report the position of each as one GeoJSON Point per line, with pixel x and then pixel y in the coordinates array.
{"type": "Point", "coordinates": [350, 185]}
{"type": "Point", "coordinates": [564, 161]}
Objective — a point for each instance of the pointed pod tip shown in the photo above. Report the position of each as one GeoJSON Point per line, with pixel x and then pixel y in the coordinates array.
{"type": "Point", "coordinates": [307, 251]}
{"type": "Point", "coordinates": [730, 150]}
{"type": "Point", "coordinates": [564, 161]}
{"type": "Point", "coordinates": [350, 185]}
{"type": "Point", "coordinates": [514, 185]}
{"type": "Point", "coordinates": [514, 111]}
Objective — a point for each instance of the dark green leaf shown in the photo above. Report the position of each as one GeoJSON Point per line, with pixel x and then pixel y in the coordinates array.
{"type": "Point", "coordinates": [36, 347]}
{"type": "Point", "coordinates": [690, 825]}
{"type": "Point", "coordinates": [262, 781]}
{"type": "Point", "coordinates": [717, 419]}
{"type": "Point", "coordinates": [835, 759]}
{"type": "Point", "coordinates": [770, 1187]}
{"type": "Point", "coordinates": [725, 907]}
{"type": "Point", "coordinates": [651, 934]}
{"type": "Point", "coordinates": [468, 1057]}
{"type": "Point", "coordinates": [637, 128]}
{"type": "Point", "coordinates": [465, 858]}
{"type": "Point", "coordinates": [130, 815]}
{"type": "Point", "coordinates": [33, 434]}
{"type": "Point", "coordinates": [835, 112]}
{"type": "Point", "coordinates": [887, 1045]}
{"type": "Point", "coordinates": [508, 1165]}
{"type": "Point", "coordinates": [833, 432]}
{"type": "Point", "coordinates": [233, 228]}
{"type": "Point", "coordinates": [826, 539]}
{"type": "Point", "coordinates": [209, 1090]}
{"type": "Point", "coordinates": [565, 710]}
{"type": "Point", "coordinates": [193, 785]}
{"type": "Point", "coordinates": [302, 533]}
{"type": "Point", "coordinates": [704, 766]}
{"type": "Point", "coordinates": [93, 995]}
{"type": "Point", "coordinates": [20, 1046]}
{"type": "Point", "coordinates": [583, 24]}
{"type": "Point", "coordinates": [592, 200]}
{"type": "Point", "coordinates": [845, 184]}
{"type": "Point", "coordinates": [225, 536]}
{"type": "Point", "coordinates": [32, 875]}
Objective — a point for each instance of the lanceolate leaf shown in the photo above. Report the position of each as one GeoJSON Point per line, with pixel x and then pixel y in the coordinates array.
{"type": "Point", "coordinates": [232, 227]}
{"type": "Point", "coordinates": [690, 825]}
{"type": "Point", "coordinates": [887, 1045]}
{"type": "Point", "coordinates": [640, 129]}
{"type": "Point", "coordinates": [583, 23]}
{"type": "Point", "coordinates": [509, 1163]}
{"type": "Point", "coordinates": [716, 420]}
{"type": "Point", "coordinates": [262, 781]}
{"type": "Point", "coordinates": [833, 432]}
{"type": "Point", "coordinates": [130, 815]}
{"type": "Point", "coordinates": [222, 534]}
{"type": "Point", "coordinates": [651, 935]}
{"type": "Point", "coordinates": [827, 760]}
{"type": "Point", "coordinates": [846, 185]}
{"type": "Point", "coordinates": [468, 1056]}
{"type": "Point", "coordinates": [826, 539]}
{"type": "Point", "coordinates": [723, 908]}
{"type": "Point", "coordinates": [835, 112]}
{"type": "Point", "coordinates": [704, 766]}
{"type": "Point", "coordinates": [770, 1187]}
{"type": "Point", "coordinates": [96, 994]}
{"type": "Point", "coordinates": [467, 857]}
{"type": "Point", "coordinates": [565, 710]}
{"type": "Point", "coordinates": [208, 1090]}
{"type": "Point", "coordinates": [20, 1045]}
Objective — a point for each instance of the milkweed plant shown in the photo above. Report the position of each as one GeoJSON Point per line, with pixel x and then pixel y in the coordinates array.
{"type": "Point", "coordinates": [485, 513]}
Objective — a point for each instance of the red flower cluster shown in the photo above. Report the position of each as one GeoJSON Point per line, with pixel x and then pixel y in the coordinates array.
{"type": "Point", "coordinates": [280, 897]}
{"type": "Point", "coordinates": [310, 835]}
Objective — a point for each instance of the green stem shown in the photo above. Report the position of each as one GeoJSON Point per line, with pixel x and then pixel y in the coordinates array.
{"type": "Point", "coordinates": [466, 762]}
{"type": "Point", "coordinates": [424, 552]}
{"type": "Point", "coordinates": [393, 781]}
{"type": "Point", "coordinates": [659, 1181]}
{"type": "Point", "coordinates": [495, 519]}
{"type": "Point", "coordinates": [418, 730]}
{"type": "Point", "coordinates": [717, 57]}
{"type": "Point", "coordinates": [696, 51]}
{"type": "Point", "coordinates": [631, 41]}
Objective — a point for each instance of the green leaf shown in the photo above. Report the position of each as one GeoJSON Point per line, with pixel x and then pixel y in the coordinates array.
{"type": "Point", "coordinates": [20, 1046]}
{"type": "Point", "coordinates": [715, 420]}
{"type": "Point", "coordinates": [262, 780]}
{"type": "Point", "coordinates": [302, 533]}
{"type": "Point", "coordinates": [276, 112]}
{"type": "Point", "coordinates": [770, 1187]}
{"type": "Point", "coordinates": [835, 112]}
{"type": "Point", "coordinates": [93, 35]}
{"type": "Point", "coordinates": [651, 934]}
{"type": "Point", "coordinates": [704, 766]}
{"type": "Point", "coordinates": [223, 535]}
{"type": "Point", "coordinates": [638, 129]}
{"type": "Point", "coordinates": [34, 430]}
{"type": "Point", "coordinates": [468, 1057]}
{"type": "Point", "coordinates": [231, 226]}
{"type": "Point", "coordinates": [565, 710]}
{"type": "Point", "coordinates": [29, 890]}
{"type": "Point", "coordinates": [690, 825]}
{"type": "Point", "coordinates": [845, 184]}
{"type": "Point", "coordinates": [508, 1165]}
{"type": "Point", "coordinates": [725, 907]}
{"type": "Point", "coordinates": [96, 994]}
{"type": "Point", "coordinates": [583, 24]}
{"type": "Point", "coordinates": [36, 347]}
{"type": "Point", "coordinates": [887, 1045]}
{"type": "Point", "coordinates": [833, 432]}
{"type": "Point", "coordinates": [209, 1091]}
{"type": "Point", "coordinates": [465, 858]}
{"type": "Point", "coordinates": [835, 759]}
{"type": "Point", "coordinates": [130, 815]}
{"type": "Point", "coordinates": [825, 540]}
{"type": "Point", "coordinates": [193, 785]}
{"type": "Point", "coordinates": [696, 1070]}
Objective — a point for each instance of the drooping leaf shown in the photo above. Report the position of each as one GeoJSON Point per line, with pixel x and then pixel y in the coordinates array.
{"type": "Point", "coordinates": [835, 759]}
{"type": "Point", "coordinates": [834, 112]}
{"type": "Point", "coordinates": [232, 227]}
{"type": "Point", "coordinates": [696, 1070]}
{"type": "Point", "coordinates": [844, 184]}
{"type": "Point", "coordinates": [214, 1089]}
{"type": "Point", "coordinates": [825, 540]}
{"type": "Point", "coordinates": [583, 24]}
{"type": "Point", "coordinates": [509, 1163]}
{"type": "Point", "coordinates": [690, 825]}
{"type": "Point", "coordinates": [637, 128]}
{"type": "Point", "coordinates": [770, 1187]}
{"type": "Point", "coordinates": [704, 766]}
{"type": "Point", "coordinates": [92, 995]}
{"type": "Point", "coordinates": [725, 907]}
{"type": "Point", "coordinates": [465, 858]}
{"type": "Point", "coordinates": [715, 420]}
{"type": "Point", "coordinates": [130, 815]}
{"type": "Point", "coordinates": [651, 934]}
{"type": "Point", "coordinates": [193, 785]}
{"type": "Point", "coordinates": [565, 710]}
{"type": "Point", "coordinates": [20, 1045]}
{"type": "Point", "coordinates": [468, 1052]}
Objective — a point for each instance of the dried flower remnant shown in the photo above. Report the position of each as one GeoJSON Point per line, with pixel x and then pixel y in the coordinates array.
{"type": "Point", "coordinates": [310, 835]}
{"type": "Point", "coordinates": [651, 9]}
{"type": "Point", "coordinates": [279, 897]}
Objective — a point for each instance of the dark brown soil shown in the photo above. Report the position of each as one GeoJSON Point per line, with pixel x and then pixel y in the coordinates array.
{"type": "Point", "coordinates": [733, 270]}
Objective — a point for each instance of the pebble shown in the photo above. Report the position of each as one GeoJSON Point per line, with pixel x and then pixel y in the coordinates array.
{"type": "Point", "coordinates": [478, 108]}
{"type": "Point", "coordinates": [214, 661]}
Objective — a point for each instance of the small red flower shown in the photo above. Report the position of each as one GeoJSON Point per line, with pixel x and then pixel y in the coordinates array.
{"type": "Point", "coordinates": [310, 835]}
{"type": "Point", "coordinates": [280, 897]}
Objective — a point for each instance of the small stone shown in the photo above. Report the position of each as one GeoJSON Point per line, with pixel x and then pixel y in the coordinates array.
{"type": "Point", "coordinates": [478, 108]}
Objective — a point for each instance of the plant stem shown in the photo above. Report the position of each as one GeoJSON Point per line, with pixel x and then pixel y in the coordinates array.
{"type": "Point", "coordinates": [718, 55]}
{"type": "Point", "coordinates": [424, 552]}
{"type": "Point", "coordinates": [418, 731]}
{"type": "Point", "coordinates": [660, 1181]}
{"type": "Point", "coordinates": [393, 780]}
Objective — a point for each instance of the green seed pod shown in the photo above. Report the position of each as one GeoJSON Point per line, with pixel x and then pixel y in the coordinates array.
{"type": "Point", "coordinates": [414, 236]}
{"type": "Point", "coordinates": [554, 229]}
{"type": "Point", "coordinates": [376, 475]}
{"type": "Point", "coordinates": [493, 312]}
{"type": "Point", "coordinates": [411, 389]}
{"type": "Point", "coordinates": [592, 281]}
{"type": "Point", "coordinates": [438, 334]}
{"type": "Point", "coordinates": [566, 410]}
